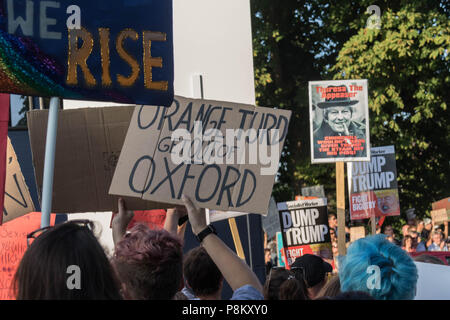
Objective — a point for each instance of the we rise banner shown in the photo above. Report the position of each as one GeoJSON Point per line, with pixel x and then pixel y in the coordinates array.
{"type": "Point", "coordinates": [100, 50]}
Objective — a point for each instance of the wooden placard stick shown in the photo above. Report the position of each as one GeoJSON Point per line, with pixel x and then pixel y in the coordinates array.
{"type": "Point", "coordinates": [373, 225]}
{"type": "Point", "coordinates": [340, 201]}
{"type": "Point", "coordinates": [236, 238]}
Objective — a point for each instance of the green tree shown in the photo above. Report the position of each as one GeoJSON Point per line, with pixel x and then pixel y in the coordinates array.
{"type": "Point", "coordinates": [299, 41]}
{"type": "Point", "coordinates": [407, 65]}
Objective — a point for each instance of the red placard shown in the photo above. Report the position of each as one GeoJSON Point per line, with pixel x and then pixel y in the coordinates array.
{"type": "Point", "coordinates": [13, 244]}
{"type": "Point", "coordinates": [154, 219]}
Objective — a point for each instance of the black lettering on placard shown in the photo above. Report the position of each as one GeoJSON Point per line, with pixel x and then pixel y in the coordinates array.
{"type": "Point", "coordinates": [239, 201]}
{"type": "Point", "coordinates": [168, 177]}
{"type": "Point", "coordinates": [187, 113]}
{"type": "Point", "coordinates": [186, 176]}
{"type": "Point", "coordinates": [199, 183]}
{"type": "Point", "coordinates": [23, 204]}
{"type": "Point", "coordinates": [133, 172]}
{"type": "Point", "coordinates": [222, 117]}
{"type": "Point", "coordinates": [245, 113]}
{"type": "Point", "coordinates": [169, 117]}
{"type": "Point", "coordinates": [285, 128]}
{"type": "Point", "coordinates": [226, 187]}
{"type": "Point", "coordinates": [151, 123]}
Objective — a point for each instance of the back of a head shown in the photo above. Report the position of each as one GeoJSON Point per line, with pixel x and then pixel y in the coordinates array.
{"type": "Point", "coordinates": [44, 271]}
{"type": "Point", "coordinates": [149, 263]}
{"type": "Point", "coordinates": [294, 288]}
{"type": "Point", "coordinates": [284, 285]}
{"type": "Point", "coordinates": [380, 268]}
{"type": "Point", "coordinates": [331, 289]}
{"type": "Point", "coordinates": [201, 273]}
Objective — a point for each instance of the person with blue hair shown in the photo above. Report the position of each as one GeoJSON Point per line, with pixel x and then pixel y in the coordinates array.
{"type": "Point", "coordinates": [380, 268]}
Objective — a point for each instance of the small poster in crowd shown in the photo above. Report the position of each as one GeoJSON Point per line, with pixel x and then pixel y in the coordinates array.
{"type": "Point", "coordinates": [305, 230]}
{"type": "Point", "coordinates": [373, 185]}
{"type": "Point", "coordinates": [339, 121]}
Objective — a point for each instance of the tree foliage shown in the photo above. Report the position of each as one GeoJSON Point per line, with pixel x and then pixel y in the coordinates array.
{"type": "Point", "coordinates": [406, 63]}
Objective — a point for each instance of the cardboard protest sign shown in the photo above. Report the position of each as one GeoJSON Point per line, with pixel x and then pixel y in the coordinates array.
{"type": "Point", "coordinates": [339, 121]}
{"type": "Point", "coordinates": [88, 145]}
{"type": "Point", "coordinates": [224, 156]}
{"type": "Point", "coordinates": [316, 191]}
{"type": "Point", "coordinates": [373, 186]}
{"type": "Point", "coordinates": [218, 215]}
{"type": "Point", "coordinates": [99, 50]}
{"type": "Point", "coordinates": [4, 119]}
{"type": "Point", "coordinates": [18, 200]}
{"type": "Point", "coordinates": [305, 230]}
{"type": "Point", "coordinates": [271, 222]}
{"type": "Point", "coordinates": [357, 233]}
{"type": "Point", "coordinates": [440, 215]}
{"type": "Point", "coordinates": [441, 204]}
{"type": "Point", "coordinates": [13, 244]}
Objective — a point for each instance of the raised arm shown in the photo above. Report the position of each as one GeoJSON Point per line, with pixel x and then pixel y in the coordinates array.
{"type": "Point", "coordinates": [235, 271]}
{"type": "Point", "coordinates": [171, 222]}
{"type": "Point", "coordinates": [121, 221]}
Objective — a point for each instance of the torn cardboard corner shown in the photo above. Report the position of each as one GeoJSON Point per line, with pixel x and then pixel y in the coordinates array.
{"type": "Point", "coordinates": [147, 169]}
{"type": "Point", "coordinates": [88, 145]}
{"type": "Point", "coordinates": [17, 201]}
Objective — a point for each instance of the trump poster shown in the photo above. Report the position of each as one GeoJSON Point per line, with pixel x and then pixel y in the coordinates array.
{"type": "Point", "coordinates": [339, 121]}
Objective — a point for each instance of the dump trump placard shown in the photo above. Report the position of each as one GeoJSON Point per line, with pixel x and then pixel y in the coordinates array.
{"type": "Point", "coordinates": [305, 230]}
{"type": "Point", "coordinates": [373, 189]}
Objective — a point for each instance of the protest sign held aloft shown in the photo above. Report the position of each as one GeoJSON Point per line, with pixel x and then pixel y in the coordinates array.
{"type": "Point", "coordinates": [87, 149]}
{"type": "Point", "coordinates": [304, 226]}
{"type": "Point", "coordinates": [223, 155]}
{"type": "Point", "coordinates": [373, 185]}
{"type": "Point", "coordinates": [101, 50]}
{"type": "Point", "coordinates": [18, 200]}
{"type": "Point", "coordinates": [339, 121]}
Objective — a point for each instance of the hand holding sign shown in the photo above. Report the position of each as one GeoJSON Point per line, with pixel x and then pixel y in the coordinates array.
{"type": "Point", "coordinates": [197, 217]}
{"type": "Point", "coordinates": [121, 221]}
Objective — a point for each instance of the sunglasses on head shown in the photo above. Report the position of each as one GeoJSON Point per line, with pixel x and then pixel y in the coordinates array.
{"type": "Point", "coordinates": [36, 233]}
{"type": "Point", "coordinates": [295, 272]}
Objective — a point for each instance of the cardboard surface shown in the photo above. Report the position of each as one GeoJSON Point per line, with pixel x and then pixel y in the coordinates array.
{"type": "Point", "coordinates": [146, 168]}
{"type": "Point", "coordinates": [440, 215]}
{"type": "Point", "coordinates": [441, 204]}
{"type": "Point", "coordinates": [17, 200]}
{"type": "Point", "coordinates": [88, 145]}
{"type": "Point", "coordinates": [271, 222]}
{"type": "Point", "coordinates": [357, 233]}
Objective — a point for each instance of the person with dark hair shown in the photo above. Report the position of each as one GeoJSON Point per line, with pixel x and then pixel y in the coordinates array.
{"type": "Point", "coordinates": [202, 276]}
{"type": "Point", "coordinates": [314, 270]}
{"type": "Point", "coordinates": [282, 284]}
{"type": "Point", "coordinates": [379, 268]}
{"type": "Point", "coordinates": [331, 289]}
{"type": "Point", "coordinates": [236, 272]}
{"type": "Point", "coordinates": [65, 262]}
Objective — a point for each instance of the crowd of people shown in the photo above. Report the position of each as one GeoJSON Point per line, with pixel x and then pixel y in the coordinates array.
{"type": "Point", "coordinates": [149, 264]}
